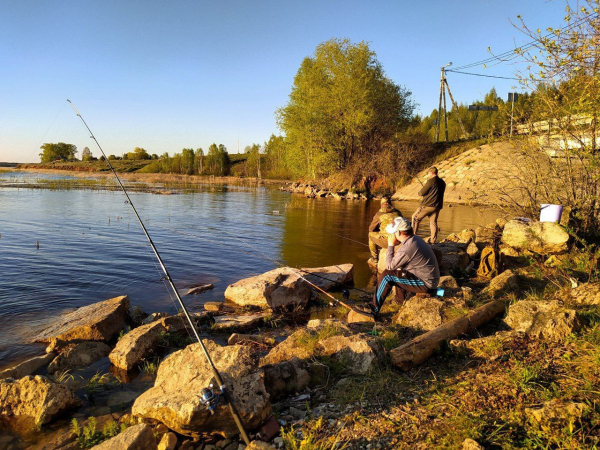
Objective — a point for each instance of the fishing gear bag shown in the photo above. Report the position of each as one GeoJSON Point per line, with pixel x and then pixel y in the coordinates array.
{"type": "Point", "coordinates": [490, 263]}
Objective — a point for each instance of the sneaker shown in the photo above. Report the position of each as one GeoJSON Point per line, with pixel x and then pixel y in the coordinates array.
{"type": "Point", "coordinates": [374, 309]}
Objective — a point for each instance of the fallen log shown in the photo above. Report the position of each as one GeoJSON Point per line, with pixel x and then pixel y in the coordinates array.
{"type": "Point", "coordinates": [422, 347]}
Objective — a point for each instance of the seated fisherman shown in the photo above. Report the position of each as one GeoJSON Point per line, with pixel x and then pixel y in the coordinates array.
{"type": "Point", "coordinates": [411, 265]}
{"type": "Point", "coordinates": [378, 238]}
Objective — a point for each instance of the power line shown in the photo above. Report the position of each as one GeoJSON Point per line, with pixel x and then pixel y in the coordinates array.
{"type": "Point", "coordinates": [482, 75]}
{"type": "Point", "coordinates": [510, 54]}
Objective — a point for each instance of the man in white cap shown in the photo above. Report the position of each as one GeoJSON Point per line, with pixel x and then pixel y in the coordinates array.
{"type": "Point", "coordinates": [411, 265]}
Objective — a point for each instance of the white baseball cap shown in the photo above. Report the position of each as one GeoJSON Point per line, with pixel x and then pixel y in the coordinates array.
{"type": "Point", "coordinates": [399, 224]}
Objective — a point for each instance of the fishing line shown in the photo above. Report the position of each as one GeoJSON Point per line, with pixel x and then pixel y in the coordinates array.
{"type": "Point", "coordinates": [216, 373]}
{"type": "Point", "coordinates": [266, 257]}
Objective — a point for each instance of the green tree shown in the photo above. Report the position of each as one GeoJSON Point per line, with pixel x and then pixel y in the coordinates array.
{"type": "Point", "coordinates": [342, 107]}
{"type": "Point", "coordinates": [187, 161]}
{"type": "Point", "coordinates": [199, 161]}
{"type": "Point", "coordinates": [53, 152]}
{"type": "Point", "coordinates": [217, 160]}
{"type": "Point", "coordinates": [275, 150]}
{"type": "Point", "coordinates": [253, 161]}
{"type": "Point", "coordinates": [86, 154]}
{"type": "Point", "coordinates": [137, 154]}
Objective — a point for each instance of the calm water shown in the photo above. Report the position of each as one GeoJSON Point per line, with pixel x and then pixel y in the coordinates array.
{"type": "Point", "coordinates": [91, 248]}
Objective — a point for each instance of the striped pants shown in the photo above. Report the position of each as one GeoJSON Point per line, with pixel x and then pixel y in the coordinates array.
{"type": "Point", "coordinates": [403, 281]}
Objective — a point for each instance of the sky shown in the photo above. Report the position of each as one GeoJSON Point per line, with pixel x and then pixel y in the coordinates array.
{"type": "Point", "coordinates": [165, 75]}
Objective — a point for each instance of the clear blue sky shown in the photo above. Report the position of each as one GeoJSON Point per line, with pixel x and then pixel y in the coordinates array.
{"type": "Point", "coordinates": [164, 75]}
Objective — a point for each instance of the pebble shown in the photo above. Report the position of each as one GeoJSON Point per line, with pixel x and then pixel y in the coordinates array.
{"type": "Point", "coordinates": [186, 445]}
{"type": "Point", "coordinates": [232, 446]}
{"type": "Point", "coordinates": [224, 443]}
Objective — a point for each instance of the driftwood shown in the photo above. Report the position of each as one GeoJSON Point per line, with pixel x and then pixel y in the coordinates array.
{"type": "Point", "coordinates": [422, 347]}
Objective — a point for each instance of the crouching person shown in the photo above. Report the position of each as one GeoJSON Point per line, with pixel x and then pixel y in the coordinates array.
{"type": "Point", "coordinates": [411, 265]}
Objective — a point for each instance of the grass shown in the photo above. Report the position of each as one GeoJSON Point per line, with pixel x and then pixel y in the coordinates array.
{"type": "Point", "coordinates": [100, 382]}
{"type": "Point", "coordinates": [311, 438]}
{"type": "Point", "coordinates": [310, 338]}
{"type": "Point", "coordinates": [150, 366]}
{"type": "Point", "coordinates": [88, 436]}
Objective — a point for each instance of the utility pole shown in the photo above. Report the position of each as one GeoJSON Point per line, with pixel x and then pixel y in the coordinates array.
{"type": "Point", "coordinates": [512, 96]}
{"type": "Point", "coordinates": [442, 97]}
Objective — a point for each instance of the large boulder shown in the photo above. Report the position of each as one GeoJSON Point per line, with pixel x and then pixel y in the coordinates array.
{"type": "Point", "coordinates": [502, 284]}
{"type": "Point", "coordinates": [175, 398]}
{"type": "Point", "coordinates": [137, 345]}
{"type": "Point", "coordinates": [544, 320]}
{"type": "Point", "coordinates": [285, 287]}
{"type": "Point", "coordinates": [35, 398]}
{"type": "Point", "coordinates": [75, 356]}
{"type": "Point", "coordinates": [27, 367]}
{"type": "Point", "coordinates": [421, 313]}
{"type": "Point", "coordinates": [539, 237]}
{"type": "Point", "coordinates": [137, 437]}
{"type": "Point", "coordinates": [97, 322]}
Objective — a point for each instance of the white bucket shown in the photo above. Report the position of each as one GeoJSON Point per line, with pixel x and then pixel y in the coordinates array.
{"type": "Point", "coordinates": [550, 213]}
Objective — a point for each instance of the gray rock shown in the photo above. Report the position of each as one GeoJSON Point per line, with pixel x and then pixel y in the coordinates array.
{"type": "Point", "coordinates": [282, 287]}
{"type": "Point", "coordinates": [503, 284]}
{"type": "Point", "coordinates": [239, 323]}
{"type": "Point", "coordinates": [27, 367]}
{"type": "Point", "coordinates": [539, 237]}
{"type": "Point", "coordinates": [36, 398]}
{"type": "Point", "coordinates": [97, 322]}
{"type": "Point", "coordinates": [544, 320]}
{"type": "Point", "coordinates": [285, 378]}
{"type": "Point", "coordinates": [137, 315]}
{"type": "Point", "coordinates": [448, 282]}
{"type": "Point", "coordinates": [137, 345]}
{"type": "Point", "coordinates": [76, 356]}
{"type": "Point", "coordinates": [329, 339]}
{"type": "Point", "coordinates": [555, 413]}
{"type": "Point", "coordinates": [586, 294]}
{"type": "Point", "coordinates": [421, 313]}
{"type": "Point", "coordinates": [453, 255]}
{"type": "Point", "coordinates": [200, 289]}
{"type": "Point", "coordinates": [137, 437]}
{"type": "Point", "coordinates": [174, 400]}
{"type": "Point", "coordinates": [470, 444]}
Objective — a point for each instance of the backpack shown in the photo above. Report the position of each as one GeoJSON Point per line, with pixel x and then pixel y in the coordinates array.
{"type": "Point", "coordinates": [490, 264]}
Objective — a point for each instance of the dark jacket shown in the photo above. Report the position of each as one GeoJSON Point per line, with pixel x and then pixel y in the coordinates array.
{"type": "Point", "coordinates": [433, 193]}
{"type": "Point", "coordinates": [382, 218]}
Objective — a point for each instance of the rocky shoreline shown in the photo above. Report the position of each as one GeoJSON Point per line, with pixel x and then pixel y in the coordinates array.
{"type": "Point", "coordinates": [286, 354]}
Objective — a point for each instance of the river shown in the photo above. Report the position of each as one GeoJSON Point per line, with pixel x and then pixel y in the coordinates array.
{"type": "Point", "coordinates": [91, 248]}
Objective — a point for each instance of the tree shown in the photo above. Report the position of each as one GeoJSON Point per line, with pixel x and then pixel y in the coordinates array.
{"type": "Point", "coordinates": [253, 161]}
{"type": "Point", "coordinates": [187, 161]}
{"type": "Point", "coordinates": [86, 154]}
{"type": "Point", "coordinates": [563, 73]}
{"type": "Point", "coordinates": [342, 107]}
{"type": "Point", "coordinates": [137, 154]}
{"type": "Point", "coordinates": [199, 161]}
{"type": "Point", "coordinates": [217, 160]}
{"type": "Point", "coordinates": [60, 151]}
{"type": "Point", "coordinates": [275, 151]}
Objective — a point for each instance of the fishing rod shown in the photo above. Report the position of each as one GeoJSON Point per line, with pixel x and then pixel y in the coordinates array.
{"type": "Point", "coordinates": [279, 263]}
{"type": "Point", "coordinates": [282, 265]}
{"type": "Point", "coordinates": [224, 393]}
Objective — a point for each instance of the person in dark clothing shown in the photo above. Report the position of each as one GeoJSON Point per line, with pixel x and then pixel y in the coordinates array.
{"type": "Point", "coordinates": [431, 204]}
{"type": "Point", "coordinates": [411, 265]}
{"type": "Point", "coordinates": [378, 238]}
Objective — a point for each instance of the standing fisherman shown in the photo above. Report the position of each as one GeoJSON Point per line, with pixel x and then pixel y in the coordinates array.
{"type": "Point", "coordinates": [378, 238]}
{"type": "Point", "coordinates": [411, 265]}
{"type": "Point", "coordinates": [431, 204]}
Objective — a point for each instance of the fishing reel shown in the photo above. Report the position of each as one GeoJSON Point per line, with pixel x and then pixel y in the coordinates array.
{"type": "Point", "coordinates": [346, 294]}
{"type": "Point", "coordinates": [210, 398]}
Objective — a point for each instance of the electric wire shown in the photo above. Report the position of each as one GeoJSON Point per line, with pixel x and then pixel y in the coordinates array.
{"type": "Point", "coordinates": [482, 75]}
{"type": "Point", "coordinates": [511, 54]}
{"type": "Point", "coordinates": [215, 371]}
